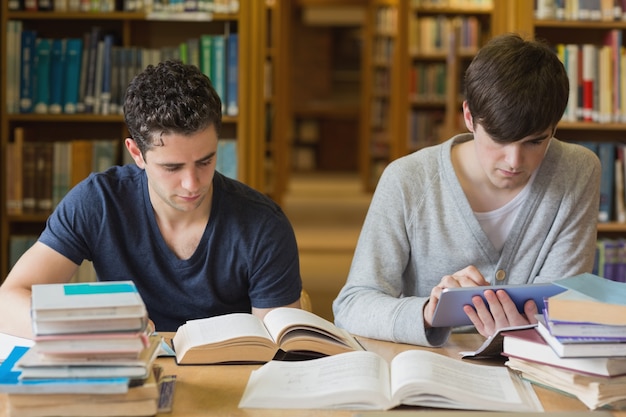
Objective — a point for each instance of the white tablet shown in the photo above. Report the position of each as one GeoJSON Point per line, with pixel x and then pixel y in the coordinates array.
{"type": "Point", "coordinates": [449, 311]}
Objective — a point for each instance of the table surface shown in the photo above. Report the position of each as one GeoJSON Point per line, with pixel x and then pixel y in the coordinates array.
{"type": "Point", "coordinates": [216, 389]}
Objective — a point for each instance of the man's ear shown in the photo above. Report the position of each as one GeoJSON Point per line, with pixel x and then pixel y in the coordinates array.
{"type": "Point", "coordinates": [134, 152]}
{"type": "Point", "coordinates": [467, 117]}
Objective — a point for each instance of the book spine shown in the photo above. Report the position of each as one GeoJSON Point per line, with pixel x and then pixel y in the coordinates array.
{"type": "Point", "coordinates": [205, 54]}
{"type": "Point", "coordinates": [57, 71]}
{"type": "Point", "coordinates": [29, 168]}
{"type": "Point", "coordinates": [588, 78]}
{"type": "Point", "coordinates": [27, 69]}
{"type": "Point", "coordinates": [43, 176]}
{"type": "Point", "coordinates": [232, 82]}
{"type": "Point", "coordinates": [14, 172]}
{"type": "Point", "coordinates": [84, 65]}
{"type": "Point", "coordinates": [105, 96]}
{"type": "Point", "coordinates": [42, 75]}
{"type": "Point", "coordinates": [606, 153]}
{"type": "Point", "coordinates": [74, 52]}
{"type": "Point", "coordinates": [218, 67]}
{"type": "Point", "coordinates": [90, 86]}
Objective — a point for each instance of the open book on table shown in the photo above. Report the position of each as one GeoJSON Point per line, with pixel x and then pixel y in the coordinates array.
{"type": "Point", "coordinates": [365, 381]}
{"type": "Point", "coordinates": [243, 337]}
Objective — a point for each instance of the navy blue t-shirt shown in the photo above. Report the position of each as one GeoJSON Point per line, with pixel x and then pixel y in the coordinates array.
{"type": "Point", "coordinates": [247, 256]}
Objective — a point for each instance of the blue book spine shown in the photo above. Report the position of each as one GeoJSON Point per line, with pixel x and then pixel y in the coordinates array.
{"type": "Point", "coordinates": [218, 67]}
{"type": "Point", "coordinates": [227, 157]}
{"type": "Point", "coordinates": [73, 63]}
{"type": "Point", "coordinates": [27, 71]}
{"type": "Point", "coordinates": [606, 153]}
{"type": "Point", "coordinates": [232, 75]}
{"type": "Point", "coordinates": [42, 75]}
{"type": "Point", "coordinates": [57, 71]}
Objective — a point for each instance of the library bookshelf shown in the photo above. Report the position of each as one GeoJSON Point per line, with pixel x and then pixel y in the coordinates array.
{"type": "Point", "coordinates": [415, 55]}
{"type": "Point", "coordinates": [572, 28]}
{"type": "Point", "coordinates": [140, 30]}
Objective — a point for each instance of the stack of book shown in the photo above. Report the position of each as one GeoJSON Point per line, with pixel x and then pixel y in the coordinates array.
{"type": "Point", "coordinates": [579, 344]}
{"type": "Point", "coordinates": [90, 347]}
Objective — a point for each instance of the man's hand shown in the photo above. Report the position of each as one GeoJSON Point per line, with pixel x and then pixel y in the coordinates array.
{"type": "Point", "coordinates": [467, 277]}
{"type": "Point", "coordinates": [500, 311]}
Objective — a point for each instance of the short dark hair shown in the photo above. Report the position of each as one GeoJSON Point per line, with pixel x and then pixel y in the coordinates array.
{"type": "Point", "coordinates": [170, 97]}
{"type": "Point", "coordinates": [516, 88]}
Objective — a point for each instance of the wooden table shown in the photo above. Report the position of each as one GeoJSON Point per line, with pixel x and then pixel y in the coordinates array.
{"type": "Point", "coordinates": [215, 390]}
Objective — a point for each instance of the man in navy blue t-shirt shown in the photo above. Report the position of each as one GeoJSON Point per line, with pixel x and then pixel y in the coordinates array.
{"type": "Point", "coordinates": [196, 243]}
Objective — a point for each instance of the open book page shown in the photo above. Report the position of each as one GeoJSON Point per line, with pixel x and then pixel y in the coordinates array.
{"type": "Point", "coordinates": [429, 379]}
{"type": "Point", "coordinates": [218, 330]}
{"type": "Point", "coordinates": [285, 324]}
{"type": "Point", "coordinates": [353, 381]}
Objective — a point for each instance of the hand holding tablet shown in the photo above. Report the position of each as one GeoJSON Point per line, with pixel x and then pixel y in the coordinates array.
{"type": "Point", "coordinates": [449, 311]}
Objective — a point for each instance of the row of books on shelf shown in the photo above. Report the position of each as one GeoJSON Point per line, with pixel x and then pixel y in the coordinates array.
{"type": "Point", "coordinates": [579, 344]}
{"type": "Point", "coordinates": [612, 191]}
{"type": "Point", "coordinates": [610, 260]}
{"type": "Point", "coordinates": [105, 6]}
{"type": "Point", "coordinates": [455, 4]}
{"type": "Point", "coordinates": [596, 73]}
{"type": "Point", "coordinates": [431, 34]}
{"type": "Point", "coordinates": [91, 347]}
{"type": "Point", "coordinates": [593, 10]}
{"type": "Point", "coordinates": [40, 173]}
{"type": "Point", "coordinates": [91, 74]}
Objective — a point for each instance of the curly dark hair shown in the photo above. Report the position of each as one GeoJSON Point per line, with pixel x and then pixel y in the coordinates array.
{"type": "Point", "coordinates": [170, 97]}
{"type": "Point", "coordinates": [516, 88]}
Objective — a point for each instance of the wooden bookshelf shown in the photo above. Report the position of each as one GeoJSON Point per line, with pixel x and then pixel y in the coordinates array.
{"type": "Point", "coordinates": [145, 30]}
{"type": "Point", "coordinates": [397, 56]}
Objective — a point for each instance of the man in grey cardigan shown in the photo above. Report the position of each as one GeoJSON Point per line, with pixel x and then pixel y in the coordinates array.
{"type": "Point", "coordinates": [506, 203]}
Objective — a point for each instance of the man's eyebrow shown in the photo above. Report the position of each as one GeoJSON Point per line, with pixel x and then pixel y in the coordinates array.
{"type": "Point", "coordinates": [180, 164]}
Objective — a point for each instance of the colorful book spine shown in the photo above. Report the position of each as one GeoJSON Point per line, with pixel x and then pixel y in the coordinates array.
{"type": "Point", "coordinates": [43, 48]}
{"type": "Point", "coordinates": [218, 67]}
{"type": "Point", "coordinates": [57, 71]}
{"type": "Point", "coordinates": [232, 75]}
{"type": "Point", "coordinates": [73, 61]}
{"type": "Point", "coordinates": [27, 70]}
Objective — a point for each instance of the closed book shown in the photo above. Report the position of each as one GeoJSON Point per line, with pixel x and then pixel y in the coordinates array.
{"type": "Point", "coordinates": [232, 75]}
{"type": "Point", "coordinates": [581, 347]}
{"type": "Point", "coordinates": [589, 298]}
{"type": "Point", "coordinates": [27, 71]}
{"type": "Point", "coordinates": [138, 400]}
{"type": "Point", "coordinates": [529, 345]}
{"type": "Point", "coordinates": [71, 82]}
{"type": "Point", "coordinates": [57, 76]}
{"type": "Point", "coordinates": [85, 301]}
{"type": "Point", "coordinates": [43, 49]}
{"type": "Point", "coordinates": [92, 344]}
{"type": "Point", "coordinates": [10, 381]}
{"type": "Point", "coordinates": [38, 363]}
{"type": "Point", "coordinates": [584, 329]}
{"type": "Point", "coordinates": [227, 157]}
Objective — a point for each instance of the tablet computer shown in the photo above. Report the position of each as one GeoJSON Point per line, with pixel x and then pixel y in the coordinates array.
{"type": "Point", "coordinates": [449, 311]}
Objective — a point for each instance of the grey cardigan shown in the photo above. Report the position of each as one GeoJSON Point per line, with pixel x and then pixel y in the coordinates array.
{"type": "Point", "coordinates": [420, 227]}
